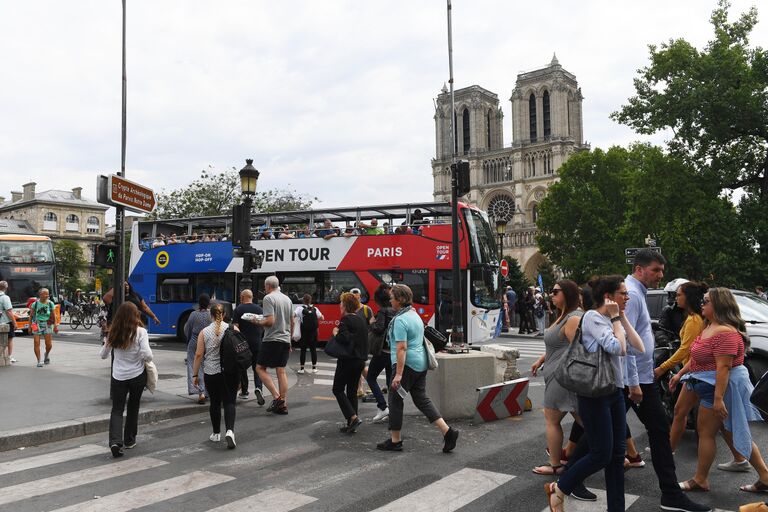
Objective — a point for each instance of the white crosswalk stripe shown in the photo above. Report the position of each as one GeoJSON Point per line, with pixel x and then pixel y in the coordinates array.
{"type": "Point", "coordinates": [48, 459]}
{"type": "Point", "coordinates": [449, 493]}
{"type": "Point", "coordinates": [43, 486]}
{"type": "Point", "coordinates": [150, 494]}
{"type": "Point", "coordinates": [274, 500]}
{"type": "Point", "coordinates": [528, 348]}
{"type": "Point", "coordinates": [600, 504]}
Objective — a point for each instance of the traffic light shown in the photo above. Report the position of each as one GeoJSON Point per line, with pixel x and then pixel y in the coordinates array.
{"type": "Point", "coordinates": [105, 255]}
{"type": "Point", "coordinates": [461, 174]}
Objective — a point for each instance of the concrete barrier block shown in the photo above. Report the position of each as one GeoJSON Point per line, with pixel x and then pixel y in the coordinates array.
{"type": "Point", "coordinates": [506, 361]}
{"type": "Point", "coordinates": [452, 386]}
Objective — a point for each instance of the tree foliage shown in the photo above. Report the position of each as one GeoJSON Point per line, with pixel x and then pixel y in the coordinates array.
{"type": "Point", "coordinates": [515, 278]}
{"type": "Point", "coordinates": [69, 263]}
{"type": "Point", "coordinates": [215, 193]}
{"type": "Point", "coordinates": [608, 201]}
{"type": "Point", "coordinates": [715, 103]}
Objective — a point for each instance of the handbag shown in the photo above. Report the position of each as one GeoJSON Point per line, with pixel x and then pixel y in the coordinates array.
{"type": "Point", "coordinates": [151, 376]}
{"type": "Point", "coordinates": [436, 338]}
{"type": "Point", "coordinates": [336, 350]}
{"type": "Point", "coordinates": [585, 373]}
{"type": "Point", "coordinates": [375, 343]}
{"type": "Point", "coordinates": [759, 396]}
{"type": "Point", "coordinates": [431, 357]}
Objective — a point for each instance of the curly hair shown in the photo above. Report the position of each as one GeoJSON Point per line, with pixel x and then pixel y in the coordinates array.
{"type": "Point", "coordinates": [381, 295]}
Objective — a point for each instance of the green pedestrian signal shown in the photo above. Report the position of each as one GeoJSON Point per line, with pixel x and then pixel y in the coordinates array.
{"type": "Point", "coordinates": [105, 255]}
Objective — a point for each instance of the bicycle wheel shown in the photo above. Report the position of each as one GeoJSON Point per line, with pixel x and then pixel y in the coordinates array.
{"type": "Point", "coordinates": [87, 321]}
{"type": "Point", "coordinates": [74, 321]}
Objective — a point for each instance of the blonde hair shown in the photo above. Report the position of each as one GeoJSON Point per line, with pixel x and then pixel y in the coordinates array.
{"type": "Point", "coordinates": [217, 314]}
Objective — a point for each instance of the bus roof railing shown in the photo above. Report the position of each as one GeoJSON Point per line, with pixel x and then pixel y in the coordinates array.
{"type": "Point", "coordinates": [435, 210]}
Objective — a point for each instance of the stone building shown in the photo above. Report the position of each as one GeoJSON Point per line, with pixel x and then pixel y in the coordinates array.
{"type": "Point", "coordinates": [60, 215]}
{"type": "Point", "coordinates": [509, 181]}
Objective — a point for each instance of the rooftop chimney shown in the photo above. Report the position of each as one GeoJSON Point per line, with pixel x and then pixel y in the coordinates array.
{"type": "Point", "coordinates": [15, 196]}
{"type": "Point", "coordinates": [77, 192]}
{"type": "Point", "coordinates": [2, 199]}
{"type": "Point", "coordinates": [29, 190]}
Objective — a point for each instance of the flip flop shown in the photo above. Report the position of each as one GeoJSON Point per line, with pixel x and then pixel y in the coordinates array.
{"type": "Point", "coordinates": [692, 486]}
{"type": "Point", "coordinates": [755, 487]}
{"type": "Point", "coordinates": [548, 469]}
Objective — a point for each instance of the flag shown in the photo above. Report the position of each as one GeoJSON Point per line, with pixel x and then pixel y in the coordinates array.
{"type": "Point", "coordinates": [541, 283]}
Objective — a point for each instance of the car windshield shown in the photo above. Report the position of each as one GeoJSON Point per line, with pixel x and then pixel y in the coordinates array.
{"type": "Point", "coordinates": [753, 308]}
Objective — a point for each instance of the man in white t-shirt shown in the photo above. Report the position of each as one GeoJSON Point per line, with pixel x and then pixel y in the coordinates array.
{"type": "Point", "coordinates": [6, 316]}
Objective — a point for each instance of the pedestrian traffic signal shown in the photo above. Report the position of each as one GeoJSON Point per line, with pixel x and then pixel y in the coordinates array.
{"type": "Point", "coordinates": [105, 255]}
{"type": "Point", "coordinates": [461, 174]}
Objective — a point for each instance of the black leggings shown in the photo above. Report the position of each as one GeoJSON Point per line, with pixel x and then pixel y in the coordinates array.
{"type": "Point", "coordinates": [308, 342]}
{"type": "Point", "coordinates": [222, 388]}
{"type": "Point", "coordinates": [416, 384]}
{"type": "Point", "coordinates": [345, 382]}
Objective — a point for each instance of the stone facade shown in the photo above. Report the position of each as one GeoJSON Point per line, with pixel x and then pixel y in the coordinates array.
{"type": "Point", "coordinates": [509, 182]}
{"type": "Point", "coordinates": [60, 215]}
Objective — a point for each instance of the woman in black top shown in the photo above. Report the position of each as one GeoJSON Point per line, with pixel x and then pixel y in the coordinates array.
{"type": "Point", "coordinates": [352, 332]}
{"type": "Point", "coordinates": [381, 360]}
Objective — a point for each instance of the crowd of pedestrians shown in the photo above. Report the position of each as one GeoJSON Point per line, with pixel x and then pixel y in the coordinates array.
{"type": "Point", "coordinates": [612, 316]}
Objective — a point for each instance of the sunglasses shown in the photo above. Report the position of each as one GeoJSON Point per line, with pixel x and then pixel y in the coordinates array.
{"type": "Point", "coordinates": [555, 291]}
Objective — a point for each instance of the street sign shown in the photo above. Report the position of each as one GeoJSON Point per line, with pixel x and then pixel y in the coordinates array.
{"type": "Point", "coordinates": [131, 195]}
{"type": "Point", "coordinates": [504, 268]}
{"type": "Point", "coordinates": [630, 252]}
{"type": "Point", "coordinates": [97, 284]}
{"type": "Point", "coordinates": [630, 261]}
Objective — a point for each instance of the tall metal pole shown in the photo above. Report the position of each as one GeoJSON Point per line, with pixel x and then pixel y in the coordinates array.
{"type": "Point", "coordinates": [119, 289]}
{"type": "Point", "coordinates": [457, 327]}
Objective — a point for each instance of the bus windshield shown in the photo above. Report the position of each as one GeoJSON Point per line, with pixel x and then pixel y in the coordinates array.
{"type": "Point", "coordinates": [27, 266]}
{"type": "Point", "coordinates": [483, 272]}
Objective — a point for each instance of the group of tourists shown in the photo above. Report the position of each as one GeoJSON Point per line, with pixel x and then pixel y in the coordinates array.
{"type": "Point", "coordinates": [610, 315]}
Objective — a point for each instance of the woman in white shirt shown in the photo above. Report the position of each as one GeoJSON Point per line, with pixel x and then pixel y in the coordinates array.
{"type": "Point", "coordinates": [129, 342]}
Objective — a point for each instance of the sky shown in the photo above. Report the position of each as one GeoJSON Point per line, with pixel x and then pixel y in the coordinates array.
{"type": "Point", "coordinates": [333, 99]}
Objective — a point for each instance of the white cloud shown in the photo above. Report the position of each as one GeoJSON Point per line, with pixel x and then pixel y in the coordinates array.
{"type": "Point", "coordinates": [332, 97]}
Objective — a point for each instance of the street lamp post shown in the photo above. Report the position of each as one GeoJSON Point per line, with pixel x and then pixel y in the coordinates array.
{"type": "Point", "coordinates": [501, 229]}
{"type": "Point", "coordinates": [249, 177]}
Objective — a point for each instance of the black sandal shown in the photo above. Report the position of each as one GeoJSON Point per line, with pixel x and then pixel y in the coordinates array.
{"type": "Point", "coordinates": [551, 471]}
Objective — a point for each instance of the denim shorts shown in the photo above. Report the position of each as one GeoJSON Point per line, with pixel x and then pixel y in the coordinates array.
{"type": "Point", "coordinates": [704, 390]}
{"type": "Point", "coordinates": [43, 329]}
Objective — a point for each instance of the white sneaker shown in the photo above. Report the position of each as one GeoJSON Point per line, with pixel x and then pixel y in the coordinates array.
{"type": "Point", "coordinates": [381, 415]}
{"type": "Point", "coordinates": [300, 371]}
{"type": "Point", "coordinates": [315, 370]}
{"type": "Point", "coordinates": [737, 467]}
{"type": "Point", "coordinates": [215, 438]}
{"type": "Point", "coordinates": [13, 360]}
{"type": "Point", "coordinates": [230, 437]}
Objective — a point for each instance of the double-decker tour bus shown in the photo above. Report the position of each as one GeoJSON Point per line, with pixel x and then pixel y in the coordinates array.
{"type": "Point", "coordinates": [27, 263]}
{"type": "Point", "coordinates": [173, 261]}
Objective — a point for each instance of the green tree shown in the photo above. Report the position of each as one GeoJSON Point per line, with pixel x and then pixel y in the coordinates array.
{"type": "Point", "coordinates": [547, 272]}
{"type": "Point", "coordinates": [714, 101]}
{"type": "Point", "coordinates": [215, 193]}
{"type": "Point", "coordinates": [70, 262]}
{"type": "Point", "coordinates": [515, 278]}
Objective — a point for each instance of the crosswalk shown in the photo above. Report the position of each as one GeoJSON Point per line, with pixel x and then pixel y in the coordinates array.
{"type": "Point", "coordinates": [454, 491]}
{"type": "Point", "coordinates": [325, 372]}
{"type": "Point", "coordinates": [529, 348]}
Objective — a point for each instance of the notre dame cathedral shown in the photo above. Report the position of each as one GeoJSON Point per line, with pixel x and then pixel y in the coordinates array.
{"type": "Point", "coordinates": [509, 181]}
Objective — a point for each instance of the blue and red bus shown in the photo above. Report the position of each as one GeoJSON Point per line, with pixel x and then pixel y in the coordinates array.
{"type": "Point", "coordinates": [170, 277]}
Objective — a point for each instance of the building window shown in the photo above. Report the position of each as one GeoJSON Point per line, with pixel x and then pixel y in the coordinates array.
{"type": "Point", "coordinates": [92, 226]}
{"type": "Point", "coordinates": [73, 223]}
{"type": "Point", "coordinates": [488, 127]}
{"type": "Point", "coordinates": [547, 126]}
{"type": "Point", "coordinates": [532, 116]}
{"type": "Point", "coordinates": [50, 222]}
{"type": "Point", "coordinates": [465, 129]}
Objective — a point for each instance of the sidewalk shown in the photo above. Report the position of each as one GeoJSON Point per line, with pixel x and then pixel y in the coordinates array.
{"type": "Point", "coordinates": [70, 397]}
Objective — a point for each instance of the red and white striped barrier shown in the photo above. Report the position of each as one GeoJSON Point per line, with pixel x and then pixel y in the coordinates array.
{"type": "Point", "coordinates": [502, 400]}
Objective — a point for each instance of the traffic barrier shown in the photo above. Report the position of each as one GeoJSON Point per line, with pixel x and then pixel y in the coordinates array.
{"type": "Point", "coordinates": [501, 400]}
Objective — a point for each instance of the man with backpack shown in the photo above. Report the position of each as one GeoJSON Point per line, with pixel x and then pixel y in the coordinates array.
{"type": "Point", "coordinates": [253, 333]}
{"type": "Point", "coordinates": [308, 317]}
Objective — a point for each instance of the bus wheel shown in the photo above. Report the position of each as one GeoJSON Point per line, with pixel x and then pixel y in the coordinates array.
{"type": "Point", "coordinates": [180, 327]}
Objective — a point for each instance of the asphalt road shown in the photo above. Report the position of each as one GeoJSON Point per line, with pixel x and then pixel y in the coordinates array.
{"type": "Point", "coordinates": [301, 462]}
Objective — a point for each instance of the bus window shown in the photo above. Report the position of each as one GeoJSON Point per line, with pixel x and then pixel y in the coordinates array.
{"type": "Point", "coordinates": [483, 293]}
{"type": "Point", "coordinates": [175, 288]}
{"type": "Point", "coordinates": [217, 286]}
{"type": "Point", "coordinates": [336, 283]}
{"type": "Point", "coordinates": [481, 238]}
{"type": "Point", "coordinates": [296, 285]}
{"type": "Point", "coordinates": [417, 280]}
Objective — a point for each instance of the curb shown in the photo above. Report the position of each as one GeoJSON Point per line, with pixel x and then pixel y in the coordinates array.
{"type": "Point", "coordinates": [41, 434]}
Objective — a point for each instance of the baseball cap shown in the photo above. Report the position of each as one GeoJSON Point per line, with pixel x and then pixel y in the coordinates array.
{"type": "Point", "coordinates": [355, 290]}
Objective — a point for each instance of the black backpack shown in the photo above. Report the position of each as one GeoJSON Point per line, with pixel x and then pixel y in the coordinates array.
{"type": "Point", "coordinates": [309, 319]}
{"type": "Point", "coordinates": [235, 352]}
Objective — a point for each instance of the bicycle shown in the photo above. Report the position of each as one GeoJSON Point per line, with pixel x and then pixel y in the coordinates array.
{"type": "Point", "coordinates": [77, 317]}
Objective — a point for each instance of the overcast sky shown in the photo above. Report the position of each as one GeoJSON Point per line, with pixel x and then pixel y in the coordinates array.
{"type": "Point", "coordinates": [331, 98]}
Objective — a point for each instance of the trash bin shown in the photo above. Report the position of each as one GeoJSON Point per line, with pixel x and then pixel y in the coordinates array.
{"type": "Point", "coordinates": [4, 359]}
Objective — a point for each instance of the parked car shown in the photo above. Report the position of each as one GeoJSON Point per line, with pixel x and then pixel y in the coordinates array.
{"type": "Point", "coordinates": [754, 311]}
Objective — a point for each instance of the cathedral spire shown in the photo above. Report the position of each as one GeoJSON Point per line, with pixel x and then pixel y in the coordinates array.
{"type": "Point", "coordinates": [554, 62]}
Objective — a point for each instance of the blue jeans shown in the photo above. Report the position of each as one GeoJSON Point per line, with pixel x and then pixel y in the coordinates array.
{"type": "Point", "coordinates": [380, 362]}
{"type": "Point", "coordinates": [604, 420]}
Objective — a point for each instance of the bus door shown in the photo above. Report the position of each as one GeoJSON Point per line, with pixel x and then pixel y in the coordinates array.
{"type": "Point", "coordinates": [444, 300]}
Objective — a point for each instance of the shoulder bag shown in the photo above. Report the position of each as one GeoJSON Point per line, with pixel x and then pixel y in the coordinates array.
{"type": "Point", "coordinates": [585, 373]}
{"type": "Point", "coordinates": [336, 350]}
{"type": "Point", "coordinates": [151, 376]}
{"type": "Point", "coordinates": [431, 357]}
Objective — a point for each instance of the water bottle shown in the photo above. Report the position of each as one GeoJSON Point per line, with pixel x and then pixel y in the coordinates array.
{"type": "Point", "coordinates": [402, 392]}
